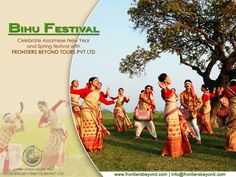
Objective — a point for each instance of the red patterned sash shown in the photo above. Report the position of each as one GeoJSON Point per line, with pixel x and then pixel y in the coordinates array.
{"type": "Point", "coordinates": [171, 111]}
{"type": "Point", "coordinates": [96, 120]}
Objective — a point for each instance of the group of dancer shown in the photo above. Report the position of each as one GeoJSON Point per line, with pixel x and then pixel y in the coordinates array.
{"type": "Point", "coordinates": [53, 154]}
{"type": "Point", "coordinates": [180, 122]}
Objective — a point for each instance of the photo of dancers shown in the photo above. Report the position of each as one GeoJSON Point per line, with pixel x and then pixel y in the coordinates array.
{"type": "Point", "coordinates": [186, 119]}
{"type": "Point", "coordinates": [16, 154]}
{"type": "Point", "coordinates": [194, 108]}
{"type": "Point", "coordinates": [170, 70]}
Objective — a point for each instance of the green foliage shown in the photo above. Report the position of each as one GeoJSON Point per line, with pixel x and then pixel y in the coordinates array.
{"type": "Point", "coordinates": [106, 111]}
{"type": "Point", "coordinates": [199, 32]}
{"type": "Point", "coordinates": [138, 60]}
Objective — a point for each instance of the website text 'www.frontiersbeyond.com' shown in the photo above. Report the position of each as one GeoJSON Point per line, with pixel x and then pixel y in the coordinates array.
{"type": "Point", "coordinates": [169, 174]}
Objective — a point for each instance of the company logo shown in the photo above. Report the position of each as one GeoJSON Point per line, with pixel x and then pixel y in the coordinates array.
{"type": "Point", "coordinates": [32, 156]}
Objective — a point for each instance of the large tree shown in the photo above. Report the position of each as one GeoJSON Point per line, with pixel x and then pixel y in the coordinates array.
{"type": "Point", "coordinates": [201, 32]}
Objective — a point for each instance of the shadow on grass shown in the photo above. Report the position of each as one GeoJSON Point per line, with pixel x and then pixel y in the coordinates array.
{"type": "Point", "coordinates": [143, 147]}
{"type": "Point", "coordinates": [213, 150]}
{"type": "Point", "coordinates": [122, 146]}
{"type": "Point", "coordinates": [211, 144]}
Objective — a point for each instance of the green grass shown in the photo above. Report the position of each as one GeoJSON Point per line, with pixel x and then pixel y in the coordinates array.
{"type": "Point", "coordinates": [75, 158]}
{"type": "Point", "coordinates": [123, 153]}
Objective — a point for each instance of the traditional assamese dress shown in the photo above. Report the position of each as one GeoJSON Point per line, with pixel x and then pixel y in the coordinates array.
{"type": "Point", "coordinates": [91, 126]}
{"type": "Point", "coordinates": [205, 114]}
{"type": "Point", "coordinates": [53, 154]}
{"type": "Point", "coordinates": [76, 111]}
{"type": "Point", "coordinates": [230, 93]}
{"type": "Point", "coordinates": [100, 118]}
{"type": "Point", "coordinates": [142, 105]}
{"type": "Point", "coordinates": [223, 112]}
{"type": "Point", "coordinates": [176, 143]}
{"type": "Point", "coordinates": [191, 100]}
{"type": "Point", "coordinates": [10, 154]}
{"type": "Point", "coordinates": [121, 118]}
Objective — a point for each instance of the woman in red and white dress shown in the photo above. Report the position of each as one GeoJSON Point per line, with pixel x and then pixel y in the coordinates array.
{"type": "Point", "coordinates": [53, 154]}
{"type": "Point", "coordinates": [121, 118]}
{"type": "Point", "coordinates": [176, 143]}
{"type": "Point", "coordinates": [205, 112]}
{"type": "Point", "coordinates": [91, 126]}
{"type": "Point", "coordinates": [230, 93]}
{"type": "Point", "coordinates": [75, 105]}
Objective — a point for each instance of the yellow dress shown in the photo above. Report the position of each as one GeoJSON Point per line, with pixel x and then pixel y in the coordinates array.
{"type": "Point", "coordinates": [121, 118]}
{"type": "Point", "coordinates": [91, 130]}
{"type": "Point", "coordinates": [231, 126]}
{"type": "Point", "coordinates": [176, 143]}
{"type": "Point", "coordinates": [205, 113]}
{"type": "Point", "coordinates": [53, 154]}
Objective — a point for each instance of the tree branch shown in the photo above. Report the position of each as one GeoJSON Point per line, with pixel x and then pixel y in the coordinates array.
{"type": "Point", "coordinates": [192, 66]}
{"type": "Point", "coordinates": [210, 66]}
{"type": "Point", "coordinates": [205, 42]}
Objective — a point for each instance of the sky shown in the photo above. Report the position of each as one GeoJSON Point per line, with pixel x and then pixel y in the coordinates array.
{"type": "Point", "coordinates": [118, 39]}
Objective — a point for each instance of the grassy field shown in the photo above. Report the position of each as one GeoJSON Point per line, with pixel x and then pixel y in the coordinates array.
{"type": "Point", "coordinates": [123, 153]}
{"type": "Point", "coordinates": [75, 158]}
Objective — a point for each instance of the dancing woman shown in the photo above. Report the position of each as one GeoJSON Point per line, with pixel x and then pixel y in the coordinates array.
{"type": "Point", "coordinates": [205, 126]}
{"type": "Point", "coordinates": [75, 105]}
{"type": "Point", "coordinates": [121, 118]}
{"type": "Point", "coordinates": [10, 154]}
{"type": "Point", "coordinates": [91, 129]}
{"type": "Point", "coordinates": [223, 112]}
{"type": "Point", "coordinates": [100, 118]}
{"type": "Point", "coordinates": [53, 154]}
{"type": "Point", "coordinates": [230, 93]}
{"type": "Point", "coordinates": [176, 143]}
